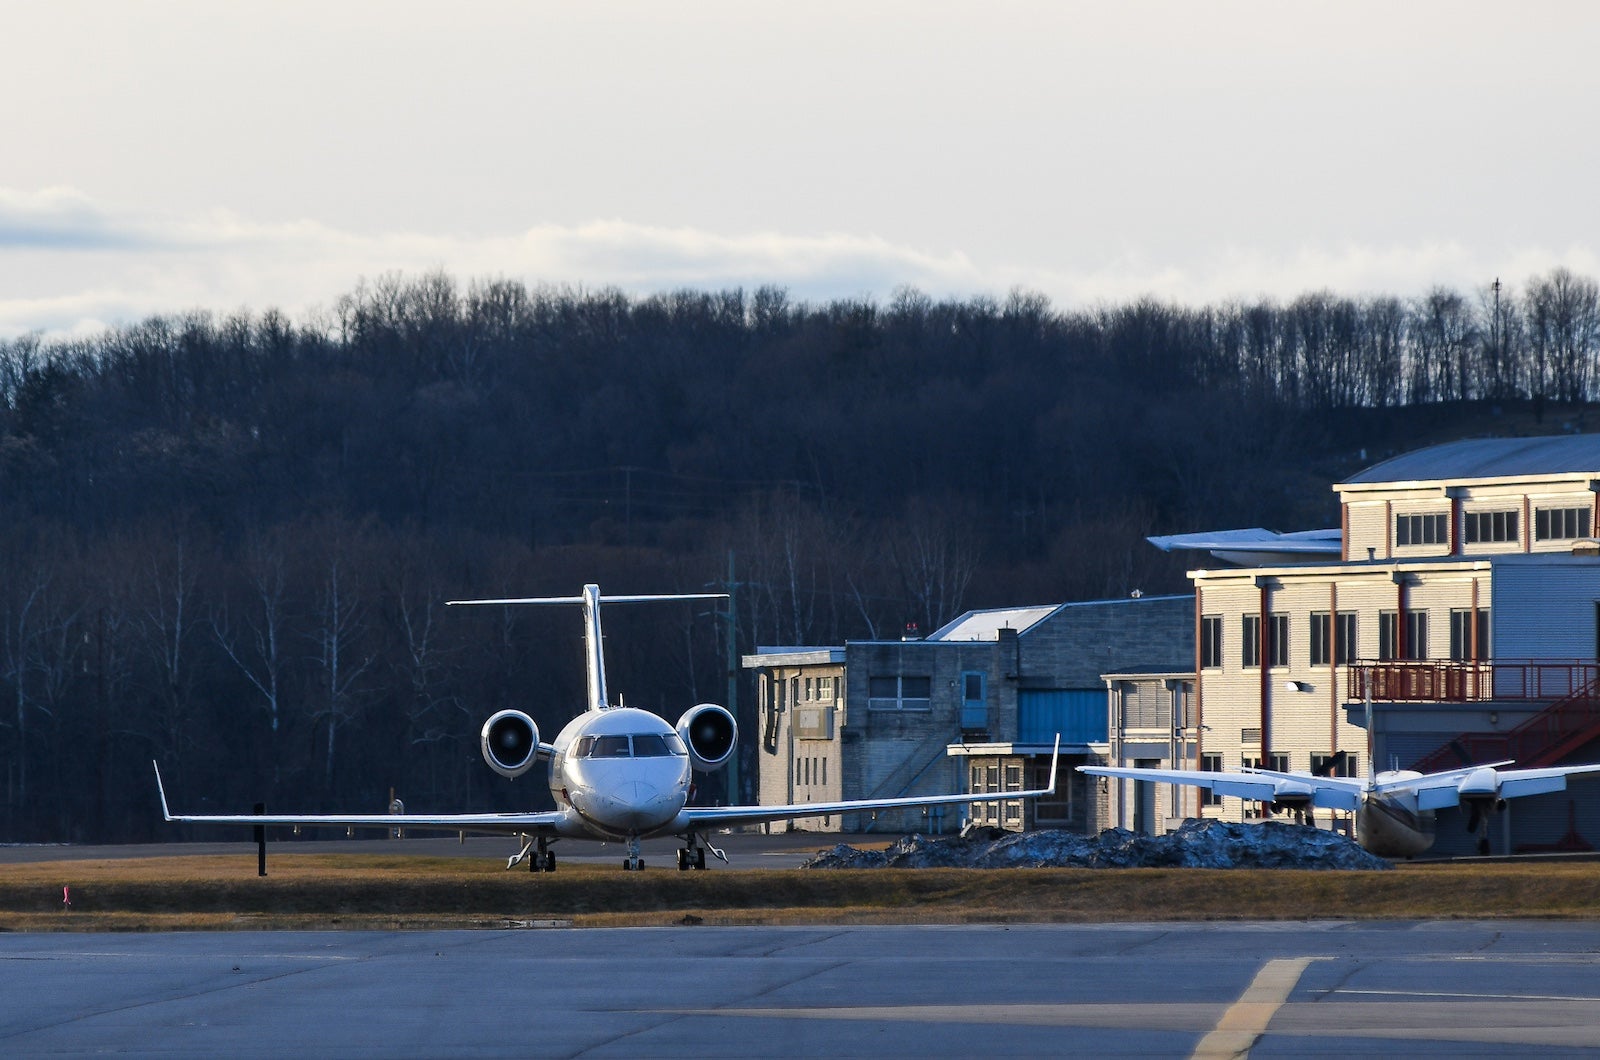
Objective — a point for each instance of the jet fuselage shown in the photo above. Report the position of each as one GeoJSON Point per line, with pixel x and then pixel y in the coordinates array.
{"type": "Point", "coordinates": [618, 773]}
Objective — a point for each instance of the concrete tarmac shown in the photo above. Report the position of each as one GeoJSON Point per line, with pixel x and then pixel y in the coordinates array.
{"type": "Point", "coordinates": [1326, 988]}
{"type": "Point", "coordinates": [745, 850]}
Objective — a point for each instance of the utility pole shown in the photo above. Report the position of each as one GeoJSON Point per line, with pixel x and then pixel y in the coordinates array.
{"type": "Point", "coordinates": [731, 587]}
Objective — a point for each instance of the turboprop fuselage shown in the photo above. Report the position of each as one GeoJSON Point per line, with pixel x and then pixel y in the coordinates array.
{"type": "Point", "coordinates": [1390, 825]}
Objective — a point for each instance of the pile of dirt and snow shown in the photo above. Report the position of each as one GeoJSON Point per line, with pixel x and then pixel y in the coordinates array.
{"type": "Point", "coordinates": [1203, 844]}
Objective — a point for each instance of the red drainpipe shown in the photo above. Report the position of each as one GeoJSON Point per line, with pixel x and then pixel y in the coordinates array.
{"type": "Point", "coordinates": [1266, 678]}
{"type": "Point", "coordinates": [1400, 645]}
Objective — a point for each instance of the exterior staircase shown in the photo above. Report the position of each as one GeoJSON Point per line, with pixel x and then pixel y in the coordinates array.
{"type": "Point", "coordinates": [1543, 740]}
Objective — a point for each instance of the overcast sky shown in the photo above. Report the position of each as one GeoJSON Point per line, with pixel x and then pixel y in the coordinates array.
{"type": "Point", "coordinates": [161, 157]}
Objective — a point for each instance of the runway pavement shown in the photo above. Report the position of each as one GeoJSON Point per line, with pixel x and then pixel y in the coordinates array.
{"type": "Point", "coordinates": [1304, 989]}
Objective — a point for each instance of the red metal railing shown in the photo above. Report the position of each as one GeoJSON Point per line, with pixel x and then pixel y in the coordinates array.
{"type": "Point", "coordinates": [1437, 681]}
{"type": "Point", "coordinates": [1572, 686]}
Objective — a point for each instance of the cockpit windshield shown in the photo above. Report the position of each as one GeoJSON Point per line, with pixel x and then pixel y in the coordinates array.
{"type": "Point", "coordinates": [654, 745]}
{"type": "Point", "coordinates": [645, 745]}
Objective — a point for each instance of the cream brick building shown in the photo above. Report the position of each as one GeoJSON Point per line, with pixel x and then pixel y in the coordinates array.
{"type": "Point", "coordinates": [1466, 596]}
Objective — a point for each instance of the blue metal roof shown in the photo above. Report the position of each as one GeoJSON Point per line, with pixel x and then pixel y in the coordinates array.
{"type": "Point", "coordinates": [1480, 458]}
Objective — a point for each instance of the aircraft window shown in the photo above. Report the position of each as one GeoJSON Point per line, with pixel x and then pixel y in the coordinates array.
{"type": "Point", "coordinates": [610, 747]}
{"type": "Point", "coordinates": [585, 745]}
{"type": "Point", "coordinates": [675, 744]}
{"type": "Point", "coordinates": [651, 745]}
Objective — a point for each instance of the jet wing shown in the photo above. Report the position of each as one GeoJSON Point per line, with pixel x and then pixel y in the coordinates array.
{"type": "Point", "coordinates": [1436, 791]}
{"type": "Point", "coordinates": [701, 818]}
{"type": "Point", "coordinates": [1330, 793]}
{"type": "Point", "coordinates": [543, 822]}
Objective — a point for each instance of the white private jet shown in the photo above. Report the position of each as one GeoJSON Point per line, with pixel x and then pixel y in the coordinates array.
{"type": "Point", "coordinates": [617, 774]}
{"type": "Point", "coordinates": [1394, 810]}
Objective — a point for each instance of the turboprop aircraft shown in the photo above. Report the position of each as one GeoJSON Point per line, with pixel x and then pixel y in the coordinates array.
{"type": "Point", "coordinates": [618, 774]}
{"type": "Point", "coordinates": [1394, 810]}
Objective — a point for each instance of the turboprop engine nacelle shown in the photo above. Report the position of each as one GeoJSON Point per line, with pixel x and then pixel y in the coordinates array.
{"type": "Point", "coordinates": [510, 743]}
{"type": "Point", "coordinates": [710, 733]}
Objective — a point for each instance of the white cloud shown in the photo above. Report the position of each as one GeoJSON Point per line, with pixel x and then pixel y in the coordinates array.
{"type": "Point", "coordinates": [71, 265]}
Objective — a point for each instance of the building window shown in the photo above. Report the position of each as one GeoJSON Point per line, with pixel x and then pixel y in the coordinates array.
{"type": "Point", "coordinates": [1252, 810]}
{"type": "Point", "coordinates": [1388, 635]}
{"type": "Point", "coordinates": [1211, 764]}
{"type": "Point", "coordinates": [1338, 764]}
{"type": "Point", "coordinates": [1462, 642]}
{"type": "Point", "coordinates": [1416, 635]}
{"type": "Point", "coordinates": [1490, 526]}
{"type": "Point", "coordinates": [825, 688]}
{"type": "Point", "coordinates": [824, 771]}
{"type": "Point", "coordinates": [1321, 638]}
{"type": "Point", "coordinates": [1344, 637]}
{"type": "Point", "coordinates": [899, 693]}
{"type": "Point", "coordinates": [1210, 642]}
{"type": "Point", "coordinates": [1554, 524]}
{"type": "Point", "coordinates": [972, 686]}
{"type": "Point", "coordinates": [1250, 641]}
{"type": "Point", "coordinates": [1421, 529]}
{"type": "Point", "coordinates": [1278, 763]}
{"type": "Point", "coordinates": [1278, 640]}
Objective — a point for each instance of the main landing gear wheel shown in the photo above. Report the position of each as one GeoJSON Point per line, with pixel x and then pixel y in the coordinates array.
{"type": "Point", "coordinates": [541, 860]}
{"type": "Point", "coordinates": [693, 853]}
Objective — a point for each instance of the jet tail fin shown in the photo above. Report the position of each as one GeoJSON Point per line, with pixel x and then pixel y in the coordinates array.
{"type": "Point", "coordinates": [594, 655]}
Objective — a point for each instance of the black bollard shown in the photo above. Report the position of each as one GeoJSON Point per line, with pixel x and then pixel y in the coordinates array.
{"type": "Point", "coordinates": [261, 841]}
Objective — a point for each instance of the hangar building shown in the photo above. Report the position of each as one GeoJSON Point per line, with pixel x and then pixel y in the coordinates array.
{"type": "Point", "coordinates": [974, 706]}
{"type": "Point", "coordinates": [1465, 600]}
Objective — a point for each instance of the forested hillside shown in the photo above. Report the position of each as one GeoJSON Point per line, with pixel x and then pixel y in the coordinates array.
{"type": "Point", "coordinates": [228, 539]}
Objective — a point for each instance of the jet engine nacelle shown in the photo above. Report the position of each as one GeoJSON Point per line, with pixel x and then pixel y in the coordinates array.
{"type": "Point", "coordinates": [510, 743]}
{"type": "Point", "coordinates": [710, 733]}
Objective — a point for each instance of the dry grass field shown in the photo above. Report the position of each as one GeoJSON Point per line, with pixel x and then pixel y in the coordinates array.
{"type": "Point", "coordinates": [340, 891]}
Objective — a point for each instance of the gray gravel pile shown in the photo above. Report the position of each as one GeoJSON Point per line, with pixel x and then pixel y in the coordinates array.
{"type": "Point", "coordinates": [1202, 844]}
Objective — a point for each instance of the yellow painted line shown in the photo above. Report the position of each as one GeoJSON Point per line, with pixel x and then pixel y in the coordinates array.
{"type": "Point", "coordinates": [1246, 1019]}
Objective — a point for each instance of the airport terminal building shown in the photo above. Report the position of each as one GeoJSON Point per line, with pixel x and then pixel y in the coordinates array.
{"type": "Point", "coordinates": [974, 706]}
{"type": "Point", "coordinates": [1464, 602]}
{"type": "Point", "coordinates": [1460, 595]}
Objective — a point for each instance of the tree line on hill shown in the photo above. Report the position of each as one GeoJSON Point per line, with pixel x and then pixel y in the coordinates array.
{"type": "Point", "coordinates": [228, 540]}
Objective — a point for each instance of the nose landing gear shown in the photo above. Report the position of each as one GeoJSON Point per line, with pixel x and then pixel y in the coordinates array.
{"type": "Point", "coordinates": [633, 863]}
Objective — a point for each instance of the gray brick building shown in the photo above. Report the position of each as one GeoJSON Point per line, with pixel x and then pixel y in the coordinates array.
{"type": "Point", "coordinates": [975, 706]}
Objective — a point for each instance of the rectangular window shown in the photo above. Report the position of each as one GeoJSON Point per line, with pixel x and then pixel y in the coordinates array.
{"type": "Point", "coordinates": [1388, 635]}
{"type": "Point", "coordinates": [1463, 647]}
{"type": "Point", "coordinates": [810, 692]}
{"type": "Point", "coordinates": [1250, 641]}
{"type": "Point", "coordinates": [1210, 642]}
{"type": "Point", "coordinates": [1252, 810]}
{"type": "Point", "coordinates": [1421, 529]}
{"type": "Point", "coordinates": [1321, 638]}
{"type": "Point", "coordinates": [899, 693]}
{"type": "Point", "coordinates": [824, 770]}
{"type": "Point", "coordinates": [1490, 526]}
{"type": "Point", "coordinates": [1344, 638]}
{"type": "Point", "coordinates": [1555, 524]}
{"type": "Point", "coordinates": [1211, 764]}
{"type": "Point", "coordinates": [1416, 634]}
{"type": "Point", "coordinates": [1278, 640]}
{"type": "Point", "coordinates": [1339, 764]}
{"type": "Point", "coordinates": [972, 686]}
{"type": "Point", "coordinates": [1278, 763]}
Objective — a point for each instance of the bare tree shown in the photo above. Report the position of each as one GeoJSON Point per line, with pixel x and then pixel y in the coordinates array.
{"type": "Point", "coordinates": [340, 626]}
{"type": "Point", "coordinates": [253, 639]}
{"type": "Point", "coordinates": [1563, 313]}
